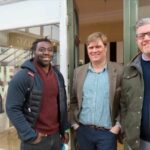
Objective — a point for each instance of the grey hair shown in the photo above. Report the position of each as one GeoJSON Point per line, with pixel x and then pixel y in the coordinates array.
{"type": "Point", "coordinates": [142, 22]}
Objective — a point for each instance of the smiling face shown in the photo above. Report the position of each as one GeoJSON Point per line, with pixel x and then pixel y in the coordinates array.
{"type": "Point", "coordinates": [97, 51]}
{"type": "Point", "coordinates": [143, 39]}
{"type": "Point", "coordinates": [43, 53]}
{"type": "Point", "coordinates": [97, 48]}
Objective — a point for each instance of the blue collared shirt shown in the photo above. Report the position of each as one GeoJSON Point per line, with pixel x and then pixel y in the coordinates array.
{"type": "Point", "coordinates": [95, 106]}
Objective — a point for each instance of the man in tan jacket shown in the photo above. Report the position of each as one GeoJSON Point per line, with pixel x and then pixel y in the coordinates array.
{"type": "Point", "coordinates": [95, 98]}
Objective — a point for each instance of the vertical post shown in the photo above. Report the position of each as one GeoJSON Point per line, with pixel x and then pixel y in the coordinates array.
{"type": "Point", "coordinates": [130, 8]}
{"type": "Point", "coordinates": [71, 43]}
{"type": "Point", "coordinates": [63, 41]}
{"type": "Point", "coordinates": [71, 53]}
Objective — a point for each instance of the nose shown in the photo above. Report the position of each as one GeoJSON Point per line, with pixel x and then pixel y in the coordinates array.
{"type": "Point", "coordinates": [94, 49]}
{"type": "Point", "coordinates": [46, 51]}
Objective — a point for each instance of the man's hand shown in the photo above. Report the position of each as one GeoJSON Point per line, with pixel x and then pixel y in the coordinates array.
{"type": "Point", "coordinates": [115, 129]}
{"type": "Point", "coordinates": [39, 138]}
{"type": "Point", "coordinates": [65, 138]}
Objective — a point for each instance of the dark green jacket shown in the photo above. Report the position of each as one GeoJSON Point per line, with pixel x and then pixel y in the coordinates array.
{"type": "Point", "coordinates": [131, 103]}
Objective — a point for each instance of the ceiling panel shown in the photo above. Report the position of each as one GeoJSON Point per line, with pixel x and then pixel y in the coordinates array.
{"type": "Point", "coordinates": [93, 11]}
{"type": "Point", "coordinates": [99, 10]}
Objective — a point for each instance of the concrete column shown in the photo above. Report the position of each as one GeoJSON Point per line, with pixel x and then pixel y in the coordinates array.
{"type": "Point", "coordinates": [63, 41]}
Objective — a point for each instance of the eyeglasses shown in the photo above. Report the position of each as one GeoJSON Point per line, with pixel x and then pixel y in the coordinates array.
{"type": "Point", "coordinates": [43, 50]}
{"type": "Point", "coordinates": [141, 36]}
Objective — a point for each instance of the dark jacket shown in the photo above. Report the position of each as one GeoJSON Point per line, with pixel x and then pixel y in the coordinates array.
{"type": "Point", "coordinates": [23, 101]}
{"type": "Point", "coordinates": [131, 103]}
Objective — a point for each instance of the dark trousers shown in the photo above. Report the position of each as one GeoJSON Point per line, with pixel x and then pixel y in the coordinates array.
{"type": "Point", "coordinates": [52, 142]}
{"type": "Point", "coordinates": [94, 139]}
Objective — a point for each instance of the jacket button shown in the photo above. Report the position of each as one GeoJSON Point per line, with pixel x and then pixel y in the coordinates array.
{"type": "Point", "coordinates": [136, 141]}
{"type": "Point", "coordinates": [137, 127]}
{"type": "Point", "coordinates": [141, 97]}
{"type": "Point", "coordinates": [128, 77]}
{"type": "Point", "coordinates": [139, 112]}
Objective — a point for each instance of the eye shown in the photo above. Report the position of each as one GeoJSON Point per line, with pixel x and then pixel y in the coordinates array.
{"type": "Point", "coordinates": [148, 33]}
{"type": "Point", "coordinates": [42, 49]}
{"type": "Point", "coordinates": [50, 49]}
{"type": "Point", "coordinates": [46, 49]}
{"type": "Point", "coordinates": [90, 47]}
{"type": "Point", "coordinates": [98, 46]}
{"type": "Point", "coordinates": [141, 36]}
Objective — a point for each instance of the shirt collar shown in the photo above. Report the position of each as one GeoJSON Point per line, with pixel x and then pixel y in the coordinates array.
{"type": "Point", "coordinates": [145, 58]}
{"type": "Point", "coordinates": [90, 68]}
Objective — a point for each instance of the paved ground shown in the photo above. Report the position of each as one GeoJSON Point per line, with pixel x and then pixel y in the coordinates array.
{"type": "Point", "coordinates": [9, 140]}
{"type": "Point", "coordinates": [120, 147]}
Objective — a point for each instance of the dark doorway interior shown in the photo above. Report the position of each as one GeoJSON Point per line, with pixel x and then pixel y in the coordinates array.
{"type": "Point", "coordinates": [113, 51]}
{"type": "Point", "coordinates": [86, 55]}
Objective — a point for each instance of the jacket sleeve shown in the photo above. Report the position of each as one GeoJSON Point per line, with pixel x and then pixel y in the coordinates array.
{"type": "Point", "coordinates": [118, 91]}
{"type": "Point", "coordinates": [14, 106]}
{"type": "Point", "coordinates": [123, 107]}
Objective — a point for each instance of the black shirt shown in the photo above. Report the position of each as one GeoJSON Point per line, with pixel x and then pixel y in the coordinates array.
{"type": "Point", "coordinates": [145, 121]}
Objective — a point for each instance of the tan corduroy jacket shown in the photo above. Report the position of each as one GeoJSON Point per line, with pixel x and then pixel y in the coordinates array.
{"type": "Point", "coordinates": [115, 77]}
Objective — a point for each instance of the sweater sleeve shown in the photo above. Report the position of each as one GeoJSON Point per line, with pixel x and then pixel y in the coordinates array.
{"type": "Point", "coordinates": [14, 106]}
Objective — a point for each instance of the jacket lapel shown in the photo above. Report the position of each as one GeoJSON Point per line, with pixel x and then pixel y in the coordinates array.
{"type": "Point", "coordinates": [81, 78]}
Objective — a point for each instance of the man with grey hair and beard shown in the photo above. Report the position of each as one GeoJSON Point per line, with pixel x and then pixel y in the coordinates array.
{"type": "Point", "coordinates": [135, 99]}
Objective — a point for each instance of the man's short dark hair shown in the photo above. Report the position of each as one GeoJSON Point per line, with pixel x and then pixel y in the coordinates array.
{"type": "Point", "coordinates": [34, 44]}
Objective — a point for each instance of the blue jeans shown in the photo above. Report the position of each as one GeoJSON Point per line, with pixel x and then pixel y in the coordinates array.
{"type": "Point", "coordinates": [94, 139]}
{"type": "Point", "coordinates": [52, 142]}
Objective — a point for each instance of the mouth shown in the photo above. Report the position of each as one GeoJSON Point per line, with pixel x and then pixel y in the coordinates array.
{"type": "Point", "coordinates": [146, 46]}
{"type": "Point", "coordinates": [46, 58]}
{"type": "Point", "coordinates": [95, 55]}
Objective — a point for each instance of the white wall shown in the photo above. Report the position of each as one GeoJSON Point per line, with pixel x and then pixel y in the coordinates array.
{"type": "Point", "coordinates": [29, 13]}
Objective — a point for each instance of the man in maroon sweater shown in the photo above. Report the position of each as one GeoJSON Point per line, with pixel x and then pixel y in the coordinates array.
{"type": "Point", "coordinates": [41, 118]}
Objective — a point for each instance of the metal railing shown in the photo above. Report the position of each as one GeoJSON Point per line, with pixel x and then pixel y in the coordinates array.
{"type": "Point", "coordinates": [11, 56]}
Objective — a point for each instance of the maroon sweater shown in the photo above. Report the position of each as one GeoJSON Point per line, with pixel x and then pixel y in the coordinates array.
{"type": "Point", "coordinates": [48, 122]}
